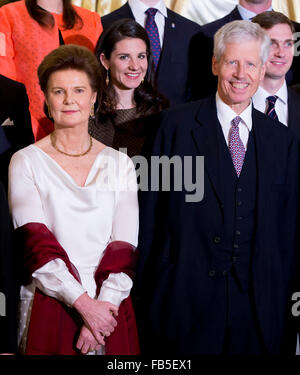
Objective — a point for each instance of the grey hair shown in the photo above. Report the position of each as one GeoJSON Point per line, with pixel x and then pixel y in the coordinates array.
{"type": "Point", "coordinates": [239, 32]}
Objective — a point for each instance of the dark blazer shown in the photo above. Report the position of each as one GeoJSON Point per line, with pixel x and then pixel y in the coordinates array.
{"type": "Point", "coordinates": [212, 27]}
{"type": "Point", "coordinates": [178, 293]}
{"type": "Point", "coordinates": [14, 111]}
{"type": "Point", "coordinates": [205, 39]}
{"type": "Point", "coordinates": [174, 73]}
{"type": "Point", "coordinates": [294, 112]}
{"type": "Point", "coordinates": [296, 88]}
{"type": "Point", "coordinates": [8, 281]}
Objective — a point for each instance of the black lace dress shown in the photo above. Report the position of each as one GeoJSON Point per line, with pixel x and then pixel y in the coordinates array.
{"type": "Point", "coordinates": [125, 130]}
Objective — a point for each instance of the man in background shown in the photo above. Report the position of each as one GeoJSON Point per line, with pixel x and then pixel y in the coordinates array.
{"type": "Point", "coordinates": [15, 133]}
{"type": "Point", "coordinates": [245, 10]}
{"type": "Point", "coordinates": [15, 123]}
{"type": "Point", "coordinates": [273, 97]}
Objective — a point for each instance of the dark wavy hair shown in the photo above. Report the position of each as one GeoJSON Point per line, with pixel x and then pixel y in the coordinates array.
{"type": "Point", "coordinates": [45, 18]}
{"type": "Point", "coordinates": [147, 98]}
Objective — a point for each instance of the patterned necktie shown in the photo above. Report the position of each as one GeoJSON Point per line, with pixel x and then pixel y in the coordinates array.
{"type": "Point", "coordinates": [271, 107]}
{"type": "Point", "coordinates": [153, 34]}
{"type": "Point", "coordinates": [236, 147]}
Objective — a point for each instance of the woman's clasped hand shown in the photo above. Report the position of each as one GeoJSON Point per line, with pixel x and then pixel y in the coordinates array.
{"type": "Point", "coordinates": [99, 322]}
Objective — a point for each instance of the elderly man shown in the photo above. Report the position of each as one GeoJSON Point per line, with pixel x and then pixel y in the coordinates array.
{"type": "Point", "coordinates": [216, 275]}
{"type": "Point", "coordinates": [273, 97]}
{"type": "Point", "coordinates": [245, 10]}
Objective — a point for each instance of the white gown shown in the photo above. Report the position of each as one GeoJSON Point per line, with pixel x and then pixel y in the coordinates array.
{"type": "Point", "coordinates": [83, 220]}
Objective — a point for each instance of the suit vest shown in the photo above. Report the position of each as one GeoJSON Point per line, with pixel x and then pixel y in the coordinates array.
{"type": "Point", "coordinates": [239, 202]}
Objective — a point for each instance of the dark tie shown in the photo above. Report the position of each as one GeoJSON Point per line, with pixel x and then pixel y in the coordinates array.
{"type": "Point", "coordinates": [271, 107]}
{"type": "Point", "coordinates": [236, 147]}
{"type": "Point", "coordinates": [153, 34]}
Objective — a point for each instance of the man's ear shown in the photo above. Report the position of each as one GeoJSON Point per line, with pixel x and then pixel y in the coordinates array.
{"type": "Point", "coordinates": [263, 72]}
{"type": "Point", "coordinates": [214, 66]}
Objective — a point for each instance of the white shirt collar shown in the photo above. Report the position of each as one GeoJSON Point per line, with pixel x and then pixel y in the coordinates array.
{"type": "Point", "coordinates": [282, 93]}
{"type": "Point", "coordinates": [261, 94]}
{"type": "Point", "coordinates": [138, 7]}
{"type": "Point", "coordinates": [226, 114]}
{"type": "Point", "coordinates": [247, 14]}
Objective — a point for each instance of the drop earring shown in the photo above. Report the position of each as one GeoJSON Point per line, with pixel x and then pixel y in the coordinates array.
{"type": "Point", "coordinates": [107, 78]}
{"type": "Point", "coordinates": [49, 111]}
{"type": "Point", "coordinates": [92, 113]}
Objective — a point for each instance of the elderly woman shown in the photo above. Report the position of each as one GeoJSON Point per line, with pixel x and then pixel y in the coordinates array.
{"type": "Point", "coordinates": [74, 203]}
{"type": "Point", "coordinates": [129, 95]}
{"type": "Point", "coordinates": [33, 28]}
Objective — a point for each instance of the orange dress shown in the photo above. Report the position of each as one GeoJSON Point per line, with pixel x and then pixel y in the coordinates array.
{"type": "Point", "coordinates": [26, 43]}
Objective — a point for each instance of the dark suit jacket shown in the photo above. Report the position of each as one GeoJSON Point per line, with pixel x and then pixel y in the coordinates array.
{"type": "Point", "coordinates": [174, 74]}
{"type": "Point", "coordinates": [296, 88]}
{"type": "Point", "coordinates": [205, 39]}
{"type": "Point", "coordinates": [8, 280]}
{"type": "Point", "coordinates": [294, 112]}
{"type": "Point", "coordinates": [13, 109]}
{"type": "Point", "coordinates": [180, 298]}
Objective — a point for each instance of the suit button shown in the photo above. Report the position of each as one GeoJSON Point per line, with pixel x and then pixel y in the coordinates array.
{"type": "Point", "coordinates": [237, 232]}
{"type": "Point", "coordinates": [217, 239]}
{"type": "Point", "coordinates": [224, 273]}
{"type": "Point", "coordinates": [239, 203]}
{"type": "Point", "coordinates": [235, 245]}
{"type": "Point", "coordinates": [211, 273]}
{"type": "Point", "coordinates": [234, 259]}
{"type": "Point", "coordinates": [239, 190]}
{"type": "Point", "coordinates": [239, 218]}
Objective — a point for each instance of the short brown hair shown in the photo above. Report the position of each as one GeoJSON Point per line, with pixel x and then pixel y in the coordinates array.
{"type": "Point", "coordinates": [66, 57]}
{"type": "Point", "coordinates": [270, 18]}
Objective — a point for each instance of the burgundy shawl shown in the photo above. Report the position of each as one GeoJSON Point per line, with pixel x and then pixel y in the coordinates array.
{"type": "Point", "coordinates": [54, 327]}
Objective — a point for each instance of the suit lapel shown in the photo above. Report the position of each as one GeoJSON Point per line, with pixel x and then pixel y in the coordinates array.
{"type": "Point", "coordinates": [265, 170]}
{"type": "Point", "coordinates": [205, 137]}
{"type": "Point", "coordinates": [290, 112]}
{"type": "Point", "coordinates": [169, 36]}
{"type": "Point", "coordinates": [235, 15]}
{"type": "Point", "coordinates": [126, 11]}
{"type": "Point", "coordinates": [293, 112]}
{"type": "Point", "coordinates": [4, 143]}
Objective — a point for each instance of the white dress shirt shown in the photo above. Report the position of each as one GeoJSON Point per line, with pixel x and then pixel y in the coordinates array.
{"type": "Point", "coordinates": [247, 14]}
{"type": "Point", "coordinates": [226, 115]}
{"type": "Point", "coordinates": [138, 9]}
{"type": "Point", "coordinates": [281, 106]}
